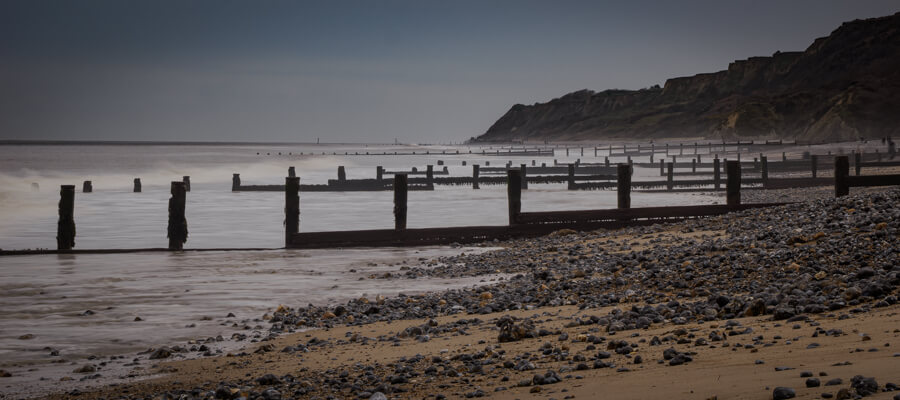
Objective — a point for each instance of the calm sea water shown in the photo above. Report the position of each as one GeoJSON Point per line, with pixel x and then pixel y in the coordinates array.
{"type": "Point", "coordinates": [47, 295]}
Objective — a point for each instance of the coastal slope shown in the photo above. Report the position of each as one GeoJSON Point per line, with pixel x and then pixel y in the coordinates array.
{"type": "Point", "coordinates": [842, 87]}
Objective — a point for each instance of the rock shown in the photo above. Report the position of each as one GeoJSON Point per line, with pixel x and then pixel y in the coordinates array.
{"type": "Point", "coordinates": [510, 331]}
{"type": "Point", "coordinates": [834, 382]}
{"type": "Point", "coordinates": [864, 386]}
{"type": "Point", "coordinates": [4, 373]}
{"type": "Point", "coordinates": [160, 353]}
{"type": "Point", "coordinates": [377, 396]}
{"type": "Point", "coordinates": [85, 369]}
{"type": "Point", "coordinates": [781, 393]}
{"type": "Point", "coordinates": [268, 379]}
{"type": "Point", "coordinates": [813, 382]}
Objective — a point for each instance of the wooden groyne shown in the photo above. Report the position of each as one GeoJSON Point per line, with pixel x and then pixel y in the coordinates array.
{"type": "Point", "coordinates": [520, 224]}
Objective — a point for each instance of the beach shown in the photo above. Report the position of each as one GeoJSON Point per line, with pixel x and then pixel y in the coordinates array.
{"type": "Point", "coordinates": [755, 304]}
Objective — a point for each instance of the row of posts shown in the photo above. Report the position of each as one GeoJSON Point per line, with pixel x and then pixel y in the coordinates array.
{"type": "Point", "coordinates": [177, 231]}
{"type": "Point", "coordinates": [88, 186]}
{"type": "Point", "coordinates": [514, 184]}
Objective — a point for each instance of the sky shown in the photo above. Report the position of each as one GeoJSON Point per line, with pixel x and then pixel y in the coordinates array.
{"type": "Point", "coordinates": [418, 71]}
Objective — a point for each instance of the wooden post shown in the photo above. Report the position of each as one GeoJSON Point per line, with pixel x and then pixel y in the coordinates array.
{"type": "Point", "coordinates": [429, 175]}
{"type": "Point", "coordinates": [178, 231]}
{"type": "Point", "coordinates": [606, 161]}
{"type": "Point", "coordinates": [733, 185]}
{"type": "Point", "coordinates": [65, 228]}
{"type": "Point", "coordinates": [670, 176]}
{"type": "Point", "coordinates": [291, 208]}
{"type": "Point", "coordinates": [813, 164]}
{"type": "Point", "coordinates": [400, 182]}
{"type": "Point", "coordinates": [87, 187]}
{"type": "Point", "coordinates": [292, 172]}
{"type": "Point", "coordinates": [514, 194]}
{"type": "Point", "coordinates": [187, 183]}
{"type": "Point", "coordinates": [662, 167]}
{"type": "Point", "coordinates": [379, 173]}
{"type": "Point", "coordinates": [342, 175]}
{"type": "Point", "coordinates": [623, 185]}
{"type": "Point", "coordinates": [651, 158]}
{"type": "Point", "coordinates": [857, 163]}
{"type": "Point", "coordinates": [567, 151]}
{"type": "Point", "coordinates": [582, 151]}
{"type": "Point", "coordinates": [693, 165]}
{"type": "Point", "coordinates": [681, 149]}
{"type": "Point", "coordinates": [892, 148]}
{"type": "Point", "coordinates": [475, 176]}
{"type": "Point", "coordinates": [235, 182]}
{"type": "Point", "coordinates": [571, 177]}
{"type": "Point", "coordinates": [137, 185]}
{"type": "Point", "coordinates": [524, 176]}
{"type": "Point", "coordinates": [841, 175]}
{"type": "Point", "coordinates": [783, 156]}
{"type": "Point", "coordinates": [717, 174]}
{"type": "Point", "coordinates": [764, 165]}
{"type": "Point", "coordinates": [595, 152]}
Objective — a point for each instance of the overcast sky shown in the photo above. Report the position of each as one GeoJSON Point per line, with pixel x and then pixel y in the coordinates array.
{"type": "Point", "coordinates": [359, 71]}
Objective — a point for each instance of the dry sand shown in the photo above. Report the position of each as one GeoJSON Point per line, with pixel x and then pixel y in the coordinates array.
{"type": "Point", "coordinates": [869, 342]}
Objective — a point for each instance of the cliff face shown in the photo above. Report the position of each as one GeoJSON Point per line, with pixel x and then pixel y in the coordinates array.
{"type": "Point", "coordinates": [843, 87]}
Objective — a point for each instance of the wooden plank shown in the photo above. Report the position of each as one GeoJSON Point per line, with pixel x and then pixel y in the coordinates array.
{"type": "Point", "coordinates": [634, 213]}
{"type": "Point", "coordinates": [873, 180]}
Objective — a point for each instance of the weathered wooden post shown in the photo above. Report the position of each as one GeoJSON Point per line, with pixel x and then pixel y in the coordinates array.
{"type": "Point", "coordinates": [606, 161]}
{"type": "Point", "coordinates": [475, 176]}
{"type": "Point", "coordinates": [235, 182]}
{"type": "Point", "coordinates": [178, 231]}
{"type": "Point", "coordinates": [292, 172]}
{"type": "Point", "coordinates": [628, 158]}
{"type": "Point", "coordinates": [87, 187]}
{"type": "Point", "coordinates": [187, 183]}
{"type": "Point", "coordinates": [514, 194]}
{"type": "Point", "coordinates": [681, 149]}
{"type": "Point", "coordinates": [567, 151]}
{"type": "Point", "coordinates": [595, 151]}
{"type": "Point", "coordinates": [137, 185]}
{"type": "Point", "coordinates": [524, 176]}
{"type": "Point", "coordinates": [291, 208]}
{"type": "Point", "coordinates": [783, 156]}
{"type": "Point", "coordinates": [857, 163]}
{"type": "Point", "coordinates": [717, 174]}
{"type": "Point", "coordinates": [813, 164]}
{"type": "Point", "coordinates": [892, 148]}
{"type": "Point", "coordinates": [693, 165]}
{"type": "Point", "coordinates": [400, 182]}
{"type": "Point", "coordinates": [623, 185]}
{"type": "Point", "coordinates": [582, 151]}
{"type": "Point", "coordinates": [429, 175]}
{"type": "Point", "coordinates": [342, 175]}
{"type": "Point", "coordinates": [571, 180]}
{"type": "Point", "coordinates": [651, 158]}
{"type": "Point", "coordinates": [379, 173]}
{"type": "Point", "coordinates": [662, 167]}
{"type": "Point", "coordinates": [464, 163]}
{"type": "Point", "coordinates": [65, 228]}
{"type": "Point", "coordinates": [841, 175]}
{"type": "Point", "coordinates": [764, 166]}
{"type": "Point", "coordinates": [533, 163]}
{"type": "Point", "coordinates": [670, 176]}
{"type": "Point", "coordinates": [733, 184]}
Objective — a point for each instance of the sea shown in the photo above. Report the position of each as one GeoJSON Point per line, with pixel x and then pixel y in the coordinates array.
{"type": "Point", "coordinates": [56, 310]}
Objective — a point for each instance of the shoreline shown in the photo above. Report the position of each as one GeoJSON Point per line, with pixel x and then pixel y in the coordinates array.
{"type": "Point", "coordinates": [751, 266]}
